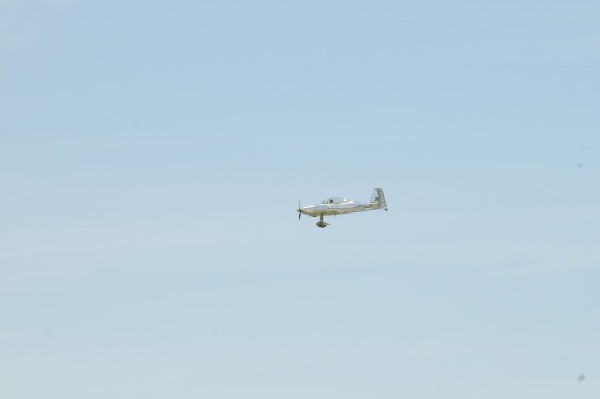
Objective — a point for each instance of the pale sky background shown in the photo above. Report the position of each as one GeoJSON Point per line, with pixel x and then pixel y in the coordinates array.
{"type": "Point", "coordinates": [152, 155]}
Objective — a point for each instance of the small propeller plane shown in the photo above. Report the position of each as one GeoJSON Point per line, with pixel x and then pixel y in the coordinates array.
{"type": "Point", "coordinates": [334, 206]}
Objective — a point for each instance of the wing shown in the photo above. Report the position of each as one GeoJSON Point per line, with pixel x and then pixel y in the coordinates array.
{"type": "Point", "coordinates": [332, 212]}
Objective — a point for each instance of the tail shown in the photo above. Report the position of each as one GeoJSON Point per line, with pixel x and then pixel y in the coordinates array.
{"type": "Point", "coordinates": [378, 199]}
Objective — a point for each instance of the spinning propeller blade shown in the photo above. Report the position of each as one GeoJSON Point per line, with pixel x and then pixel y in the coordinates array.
{"type": "Point", "coordinates": [299, 210]}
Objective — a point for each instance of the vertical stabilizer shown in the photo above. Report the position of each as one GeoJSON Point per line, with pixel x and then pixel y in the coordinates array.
{"type": "Point", "coordinates": [378, 199]}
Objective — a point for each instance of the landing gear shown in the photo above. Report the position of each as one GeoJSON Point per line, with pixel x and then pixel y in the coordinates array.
{"type": "Point", "coordinates": [322, 223]}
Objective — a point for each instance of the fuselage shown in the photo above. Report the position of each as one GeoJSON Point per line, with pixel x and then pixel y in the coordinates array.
{"type": "Point", "coordinates": [337, 206]}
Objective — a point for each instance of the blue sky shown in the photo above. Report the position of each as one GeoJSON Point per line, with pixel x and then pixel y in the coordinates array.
{"type": "Point", "coordinates": [153, 154]}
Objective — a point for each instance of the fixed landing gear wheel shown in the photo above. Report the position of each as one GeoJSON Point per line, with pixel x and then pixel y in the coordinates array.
{"type": "Point", "coordinates": [321, 223]}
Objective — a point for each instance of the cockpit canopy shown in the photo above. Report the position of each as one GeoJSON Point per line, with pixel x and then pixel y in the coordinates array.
{"type": "Point", "coordinates": [334, 200]}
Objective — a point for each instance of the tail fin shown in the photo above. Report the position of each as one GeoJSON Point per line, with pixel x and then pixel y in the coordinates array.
{"type": "Point", "coordinates": [378, 199]}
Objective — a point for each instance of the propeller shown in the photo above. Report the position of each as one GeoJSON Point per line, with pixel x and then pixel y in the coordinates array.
{"type": "Point", "coordinates": [299, 210]}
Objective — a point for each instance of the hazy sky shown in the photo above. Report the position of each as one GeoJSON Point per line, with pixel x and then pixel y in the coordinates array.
{"type": "Point", "coordinates": [152, 155]}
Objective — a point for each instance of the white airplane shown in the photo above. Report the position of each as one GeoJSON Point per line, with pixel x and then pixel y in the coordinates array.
{"type": "Point", "coordinates": [340, 206]}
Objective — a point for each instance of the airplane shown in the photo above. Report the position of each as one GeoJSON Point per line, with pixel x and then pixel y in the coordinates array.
{"type": "Point", "coordinates": [334, 206]}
